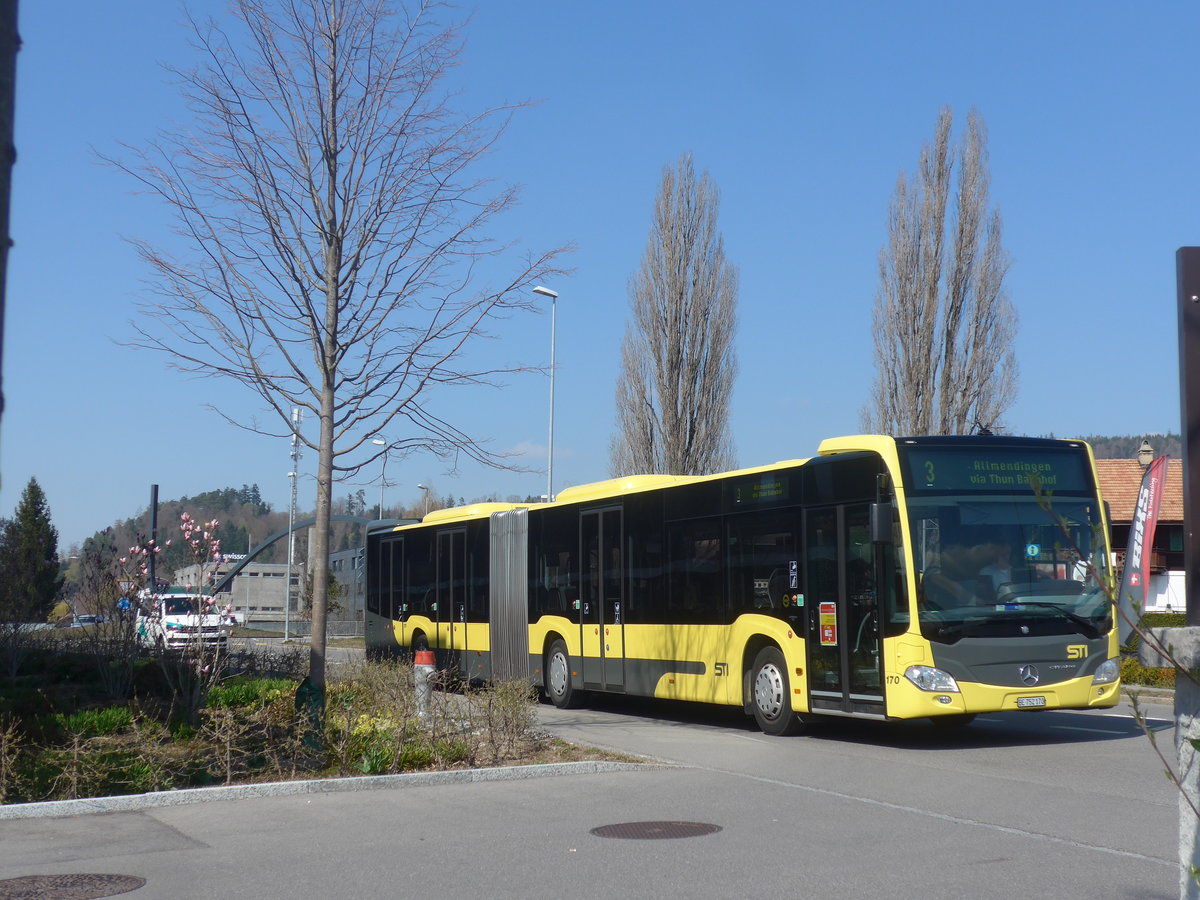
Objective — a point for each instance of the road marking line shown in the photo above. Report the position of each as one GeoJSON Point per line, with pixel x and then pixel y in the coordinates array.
{"type": "Point", "coordinates": [945, 817]}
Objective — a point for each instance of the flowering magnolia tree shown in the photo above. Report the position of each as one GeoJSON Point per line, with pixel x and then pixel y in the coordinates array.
{"type": "Point", "coordinates": [191, 669]}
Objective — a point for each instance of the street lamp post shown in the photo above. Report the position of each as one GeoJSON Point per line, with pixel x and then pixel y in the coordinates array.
{"type": "Point", "coordinates": [425, 490]}
{"type": "Point", "coordinates": [382, 475]}
{"type": "Point", "coordinates": [553, 295]}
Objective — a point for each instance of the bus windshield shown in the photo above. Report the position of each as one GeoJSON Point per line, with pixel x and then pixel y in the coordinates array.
{"type": "Point", "coordinates": [185, 605]}
{"type": "Point", "coordinates": [1001, 565]}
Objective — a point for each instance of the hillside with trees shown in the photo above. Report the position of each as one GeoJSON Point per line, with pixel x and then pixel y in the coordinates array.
{"type": "Point", "coordinates": [1126, 446]}
{"type": "Point", "coordinates": [245, 520]}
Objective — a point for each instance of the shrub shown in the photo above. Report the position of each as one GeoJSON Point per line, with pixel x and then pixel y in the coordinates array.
{"type": "Point", "coordinates": [1134, 673]}
{"type": "Point", "coordinates": [12, 749]}
{"type": "Point", "coordinates": [56, 744]}
{"type": "Point", "coordinates": [94, 722]}
{"type": "Point", "coordinates": [249, 692]}
{"type": "Point", "coordinates": [502, 715]}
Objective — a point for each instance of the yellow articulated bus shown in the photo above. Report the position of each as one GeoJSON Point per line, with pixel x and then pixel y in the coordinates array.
{"type": "Point", "coordinates": [885, 578]}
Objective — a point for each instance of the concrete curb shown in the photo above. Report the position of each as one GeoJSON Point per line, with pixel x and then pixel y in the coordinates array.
{"type": "Point", "coordinates": [316, 786]}
{"type": "Point", "coordinates": [1148, 693]}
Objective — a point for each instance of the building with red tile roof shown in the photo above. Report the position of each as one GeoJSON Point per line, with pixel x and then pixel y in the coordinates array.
{"type": "Point", "coordinates": [1120, 481]}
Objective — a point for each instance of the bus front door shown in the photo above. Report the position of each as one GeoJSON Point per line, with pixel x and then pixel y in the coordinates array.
{"type": "Point", "coordinates": [843, 618]}
{"type": "Point", "coordinates": [601, 595]}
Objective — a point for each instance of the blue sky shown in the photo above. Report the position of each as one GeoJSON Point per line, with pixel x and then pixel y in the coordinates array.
{"type": "Point", "coordinates": [803, 113]}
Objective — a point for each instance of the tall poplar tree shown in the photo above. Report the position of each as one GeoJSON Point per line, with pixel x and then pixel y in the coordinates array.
{"type": "Point", "coordinates": [943, 323]}
{"type": "Point", "coordinates": [677, 359]}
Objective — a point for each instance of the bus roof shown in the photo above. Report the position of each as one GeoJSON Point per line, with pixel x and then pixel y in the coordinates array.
{"type": "Point", "coordinates": [470, 511]}
{"type": "Point", "coordinates": [632, 484]}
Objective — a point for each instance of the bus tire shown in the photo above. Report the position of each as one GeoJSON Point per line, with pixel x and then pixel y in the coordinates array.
{"type": "Point", "coordinates": [771, 694]}
{"type": "Point", "coordinates": [557, 678]}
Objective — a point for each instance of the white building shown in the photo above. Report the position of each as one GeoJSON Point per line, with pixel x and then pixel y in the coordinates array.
{"type": "Point", "coordinates": [256, 593]}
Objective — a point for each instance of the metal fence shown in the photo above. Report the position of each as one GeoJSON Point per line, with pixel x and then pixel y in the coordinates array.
{"type": "Point", "coordinates": [303, 629]}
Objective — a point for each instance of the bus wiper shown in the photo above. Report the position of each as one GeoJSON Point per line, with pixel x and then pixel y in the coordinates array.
{"type": "Point", "coordinates": [1088, 628]}
{"type": "Point", "coordinates": [950, 633]}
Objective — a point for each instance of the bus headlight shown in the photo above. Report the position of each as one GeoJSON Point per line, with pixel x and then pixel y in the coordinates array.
{"type": "Point", "coordinates": [1107, 672]}
{"type": "Point", "coordinates": [928, 678]}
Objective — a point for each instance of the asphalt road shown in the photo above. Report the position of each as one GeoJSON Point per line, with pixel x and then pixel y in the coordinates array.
{"type": "Point", "coordinates": [1033, 805]}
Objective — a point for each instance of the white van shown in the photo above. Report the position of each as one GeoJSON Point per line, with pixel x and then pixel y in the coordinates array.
{"type": "Point", "coordinates": [180, 621]}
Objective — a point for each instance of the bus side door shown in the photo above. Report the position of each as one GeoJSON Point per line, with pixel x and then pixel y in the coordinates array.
{"type": "Point", "coordinates": [451, 596]}
{"type": "Point", "coordinates": [843, 618]}
{"type": "Point", "coordinates": [602, 599]}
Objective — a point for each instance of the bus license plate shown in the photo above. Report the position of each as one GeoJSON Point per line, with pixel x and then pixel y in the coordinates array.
{"type": "Point", "coordinates": [1030, 702]}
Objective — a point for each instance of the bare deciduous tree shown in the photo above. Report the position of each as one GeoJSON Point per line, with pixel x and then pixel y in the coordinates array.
{"type": "Point", "coordinates": [335, 245]}
{"type": "Point", "coordinates": [677, 361]}
{"type": "Point", "coordinates": [943, 325]}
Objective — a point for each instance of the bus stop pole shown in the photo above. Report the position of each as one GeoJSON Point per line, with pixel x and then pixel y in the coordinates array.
{"type": "Point", "coordinates": [1188, 276]}
{"type": "Point", "coordinates": [1184, 643]}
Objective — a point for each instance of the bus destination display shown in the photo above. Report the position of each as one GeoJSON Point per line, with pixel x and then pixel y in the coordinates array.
{"type": "Point", "coordinates": [966, 469]}
{"type": "Point", "coordinates": [763, 489]}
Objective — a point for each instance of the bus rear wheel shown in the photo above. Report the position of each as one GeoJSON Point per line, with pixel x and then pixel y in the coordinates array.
{"type": "Point", "coordinates": [557, 678]}
{"type": "Point", "coordinates": [772, 694]}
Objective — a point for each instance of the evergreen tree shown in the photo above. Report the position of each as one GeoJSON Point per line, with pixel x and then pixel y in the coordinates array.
{"type": "Point", "coordinates": [30, 577]}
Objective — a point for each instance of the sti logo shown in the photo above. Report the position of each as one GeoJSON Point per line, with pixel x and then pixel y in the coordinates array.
{"type": "Point", "coordinates": [1077, 651]}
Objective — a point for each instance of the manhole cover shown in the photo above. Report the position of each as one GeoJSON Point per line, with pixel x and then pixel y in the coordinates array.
{"type": "Point", "coordinates": [655, 831]}
{"type": "Point", "coordinates": [67, 887]}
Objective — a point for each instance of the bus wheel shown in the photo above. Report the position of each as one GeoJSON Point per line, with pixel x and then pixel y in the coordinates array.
{"type": "Point", "coordinates": [557, 678]}
{"type": "Point", "coordinates": [772, 694]}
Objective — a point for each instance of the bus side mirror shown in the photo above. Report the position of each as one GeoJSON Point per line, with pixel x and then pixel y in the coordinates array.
{"type": "Point", "coordinates": [881, 523]}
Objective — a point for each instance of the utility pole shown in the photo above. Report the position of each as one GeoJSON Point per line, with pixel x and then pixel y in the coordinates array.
{"type": "Point", "coordinates": [10, 42]}
{"type": "Point", "coordinates": [153, 583]}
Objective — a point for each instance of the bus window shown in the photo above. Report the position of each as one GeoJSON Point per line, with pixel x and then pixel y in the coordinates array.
{"type": "Point", "coordinates": [373, 566]}
{"type": "Point", "coordinates": [646, 553]}
{"type": "Point", "coordinates": [477, 573]}
{"type": "Point", "coordinates": [555, 585]}
{"type": "Point", "coordinates": [393, 588]}
{"type": "Point", "coordinates": [696, 594]}
{"type": "Point", "coordinates": [451, 575]}
{"type": "Point", "coordinates": [763, 561]}
{"type": "Point", "coordinates": [421, 600]}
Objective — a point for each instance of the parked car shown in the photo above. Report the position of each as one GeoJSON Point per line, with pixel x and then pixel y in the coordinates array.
{"type": "Point", "coordinates": [79, 621]}
{"type": "Point", "coordinates": [179, 621]}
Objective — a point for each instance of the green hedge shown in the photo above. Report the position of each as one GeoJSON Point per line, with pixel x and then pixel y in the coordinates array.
{"type": "Point", "coordinates": [1132, 671]}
